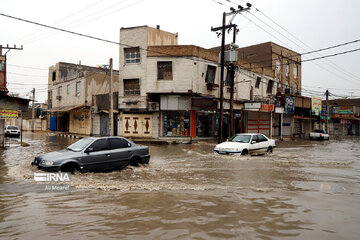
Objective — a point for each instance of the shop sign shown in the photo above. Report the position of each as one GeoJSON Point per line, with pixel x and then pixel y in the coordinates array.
{"type": "Point", "coordinates": [252, 105]}
{"type": "Point", "coordinates": [323, 113]}
{"type": "Point", "coordinates": [316, 106]}
{"type": "Point", "coordinates": [345, 121]}
{"type": "Point", "coordinates": [8, 114]}
{"type": "Point", "coordinates": [267, 107]}
{"type": "Point", "coordinates": [279, 110]}
{"type": "Point", "coordinates": [344, 110]}
{"type": "Point", "coordinates": [289, 105]}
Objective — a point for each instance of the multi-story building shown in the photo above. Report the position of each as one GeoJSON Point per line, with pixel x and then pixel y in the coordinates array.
{"type": "Point", "coordinates": [78, 98]}
{"type": "Point", "coordinates": [170, 90]}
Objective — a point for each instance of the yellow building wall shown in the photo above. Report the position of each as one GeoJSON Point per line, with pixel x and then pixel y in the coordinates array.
{"type": "Point", "coordinates": [80, 121]}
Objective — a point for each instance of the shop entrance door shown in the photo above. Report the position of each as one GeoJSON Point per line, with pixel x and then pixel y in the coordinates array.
{"type": "Point", "coordinates": [137, 125]}
{"type": "Point", "coordinates": [258, 122]}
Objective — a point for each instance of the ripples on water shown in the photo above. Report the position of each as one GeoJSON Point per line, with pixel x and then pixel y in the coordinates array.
{"type": "Point", "coordinates": [303, 190]}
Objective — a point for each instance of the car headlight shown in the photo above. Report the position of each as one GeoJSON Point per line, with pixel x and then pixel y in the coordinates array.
{"type": "Point", "coordinates": [47, 163]}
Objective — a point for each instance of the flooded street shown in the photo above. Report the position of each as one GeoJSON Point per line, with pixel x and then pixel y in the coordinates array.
{"type": "Point", "coordinates": [303, 190]}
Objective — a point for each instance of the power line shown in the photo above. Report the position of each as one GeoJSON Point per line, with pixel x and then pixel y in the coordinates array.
{"type": "Point", "coordinates": [26, 67]}
{"type": "Point", "coordinates": [26, 75]}
{"type": "Point", "coordinates": [332, 55]}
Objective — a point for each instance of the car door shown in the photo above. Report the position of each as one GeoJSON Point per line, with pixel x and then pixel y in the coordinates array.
{"type": "Point", "coordinates": [264, 143]}
{"type": "Point", "coordinates": [99, 156]}
{"type": "Point", "coordinates": [254, 144]}
{"type": "Point", "coordinates": [120, 153]}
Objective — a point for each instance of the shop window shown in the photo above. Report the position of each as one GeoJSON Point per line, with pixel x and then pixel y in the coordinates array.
{"type": "Point", "coordinates": [205, 124]}
{"type": "Point", "coordinates": [132, 55]}
{"type": "Point", "coordinates": [164, 70]}
{"type": "Point", "coordinates": [270, 86]}
{"type": "Point", "coordinates": [176, 123]}
{"type": "Point", "coordinates": [210, 74]}
{"type": "Point", "coordinates": [131, 87]}
{"type": "Point", "coordinates": [258, 81]}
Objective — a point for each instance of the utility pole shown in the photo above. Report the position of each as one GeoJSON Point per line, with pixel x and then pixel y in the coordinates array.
{"type": "Point", "coordinates": [327, 111]}
{"type": "Point", "coordinates": [222, 60]}
{"type": "Point", "coordinates": [111, 110]}
{"type": "Point", "coordinates": [33, 111]}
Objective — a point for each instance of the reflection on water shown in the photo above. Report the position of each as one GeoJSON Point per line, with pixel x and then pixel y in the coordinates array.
{"type": "Point", "coordinates": [304, 190]}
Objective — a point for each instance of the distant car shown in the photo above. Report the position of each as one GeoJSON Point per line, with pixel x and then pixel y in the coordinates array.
{"type": "Point", "coordinates": [246, 143]}
{"type": "Point", "coordinates": [94, 154]}
{"type": "Point", "coordinates": [12, 131]}
{"type": "Point", "coordinates": [319, 135]}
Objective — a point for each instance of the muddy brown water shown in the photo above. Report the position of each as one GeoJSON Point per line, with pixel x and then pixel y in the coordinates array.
{"type": "Point", "coordinates": [303, 190]}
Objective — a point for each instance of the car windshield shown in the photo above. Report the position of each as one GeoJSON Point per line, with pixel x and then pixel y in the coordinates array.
{"type": "Point", "coordinates": [79, 145]}
{"type": "Point", "coordinates": [12, 128]}
{"type": "Point", "coordinates": [240, 138]}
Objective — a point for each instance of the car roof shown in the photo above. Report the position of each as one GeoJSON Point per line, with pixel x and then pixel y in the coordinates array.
{"type": "Point", "coordinates": [249, 133]}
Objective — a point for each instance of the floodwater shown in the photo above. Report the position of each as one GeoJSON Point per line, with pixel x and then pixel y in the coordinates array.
{"type": "Point", "coordinates": [303, 190]}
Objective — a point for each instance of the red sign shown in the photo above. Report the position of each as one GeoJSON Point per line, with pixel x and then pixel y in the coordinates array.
{"type": "Point", "coordinates": [267, 107]}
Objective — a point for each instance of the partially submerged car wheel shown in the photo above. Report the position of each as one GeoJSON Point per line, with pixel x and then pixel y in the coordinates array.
{"type": "Point", "coordinates": [70, 167]}
{"type": "Point", "coordinates": [135, 161]}
{"type": "Point", "coordinates": [244, 152]}
{"type": "Point", "coordinates": [270, 149]}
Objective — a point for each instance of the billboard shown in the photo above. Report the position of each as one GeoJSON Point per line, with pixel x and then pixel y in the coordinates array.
{"type": "Point", "coordinates": [267, 107]}
{"type": "Point", "coordinates": [316, 106]}
{"type": "Point", "coordinates": [289, 105]}
{"type": "Point", "coordinates": [8, 114]}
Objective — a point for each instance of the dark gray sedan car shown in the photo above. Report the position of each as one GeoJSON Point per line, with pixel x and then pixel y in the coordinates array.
{"type": "Point", "coordinates": [94, 154]}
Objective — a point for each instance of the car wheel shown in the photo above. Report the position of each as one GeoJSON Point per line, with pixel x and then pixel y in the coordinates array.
{"type": "Point", "coordinates": [135, 161]}
{"type": "Point", "coordinates": [244, 152]}
{"type": "Point", "coordinates": [270, 149]}
{"type": "Point", "coordinates": [70, 167]}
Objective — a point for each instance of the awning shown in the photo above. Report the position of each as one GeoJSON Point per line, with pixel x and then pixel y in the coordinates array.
{"type": "Point", "coordinates": [65, 109]}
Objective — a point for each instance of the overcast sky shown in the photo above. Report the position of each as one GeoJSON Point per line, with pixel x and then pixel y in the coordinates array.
{"type": "Point", "coordinates": [317, 24]}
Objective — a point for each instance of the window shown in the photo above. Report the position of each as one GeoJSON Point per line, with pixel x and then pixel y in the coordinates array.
{"type": "Point", "coordinates": [287, 68]}
{"type": "Point", "coordinates": [278, 66]}
{"type": "Point", "coordinates": [255, 138]}
{"type": "Point", "coordinates": [132, 55]}
{"type": "Point", "coordinates": [119, 143]}
{"type": "Point", "coordinates": [54, 75]}
{"type": "Point", "coordinates": [100, 145]}
{"type": "Point", "coordinates": [78, 88]}
{"type": "Point", "coordinates": [164, 70]}
{"type": "Point", "coordinates": [131, 87]}
{"type": "Point", "coordinates": [270, 86]}
{"type": "Point", "coordinates": [258, 81]}
{"type": "Point", "coordinates": [210, 74]}
{"type": "Point", "coordinates": [287, 84]}
{"type": "Point", "coordinates": [295, 70]}
{"type": "Point", "coordinates": [68, 89]}
{"type": "Point", "coordinates": [59, 91]}
{"type": "Point", "coordinates": [262, 138]}
{"type": "Point", "coordinates": [295, 89]}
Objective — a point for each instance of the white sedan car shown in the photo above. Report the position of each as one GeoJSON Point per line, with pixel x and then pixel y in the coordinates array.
{"type": "Point", "coordinates": [246, 143]}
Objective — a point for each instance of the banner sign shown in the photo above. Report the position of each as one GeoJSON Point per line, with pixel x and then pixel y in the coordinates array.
{"type": "Point", "coordinates": [8, 114]}
{"type": "Point", "coordinates": [323, 113]}
{"type": "Point", "coordinates": [267, 107]}
{"type": "Point", "coordinates": [252, 105]}
{"type": "Point", "coordinates": [316, 105]}
{"type": "Point", "coordinates": [344, 110]}
{"type": "Point", "coordinates": [289, 105]}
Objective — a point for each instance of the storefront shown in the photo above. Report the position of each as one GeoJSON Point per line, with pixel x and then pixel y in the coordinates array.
{"type": "Point", "coordinates": [175, 123]}
{"type": "Point", "coordinates": [205, 123]}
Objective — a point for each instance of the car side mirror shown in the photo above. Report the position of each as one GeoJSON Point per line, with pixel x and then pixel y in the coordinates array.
{"type": "Point", "coordinates": [253, 141]}
{"type": "Point", "coordinates": [88, 150]}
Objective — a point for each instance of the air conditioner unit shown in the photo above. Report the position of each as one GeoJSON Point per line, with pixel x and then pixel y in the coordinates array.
{"type": "Point", "coordinates": [58, 97]}
{"type": "Point", "coordinates": [153, 106]}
